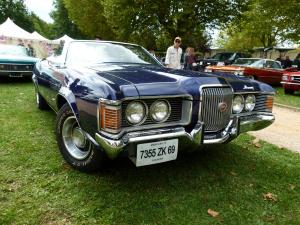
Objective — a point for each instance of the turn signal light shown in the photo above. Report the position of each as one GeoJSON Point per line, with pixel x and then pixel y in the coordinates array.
{"type": "Point", "coordinates": [269, 102]}
{"type": "Point", "coordinates": [110, 118]}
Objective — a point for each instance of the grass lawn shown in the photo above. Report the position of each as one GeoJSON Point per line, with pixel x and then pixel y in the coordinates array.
{"type": "Point", "coordinates": [244, 183]}
{"type": "Point", "coordinates": [290, 100]}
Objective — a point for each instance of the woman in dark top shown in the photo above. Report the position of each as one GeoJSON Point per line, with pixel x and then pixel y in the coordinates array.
{"type": "Point", "coordinates": [190, 61]}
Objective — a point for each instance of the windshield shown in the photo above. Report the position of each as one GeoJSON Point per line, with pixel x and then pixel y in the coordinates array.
{"type": "Point", "coordinates": [13, 50]}
{"type": "Point", "coordinates": [84, 53]}
{"type": "Point", "coordinates": [222, 56]}
{"type": "Point", "coordinates": [244, 62]}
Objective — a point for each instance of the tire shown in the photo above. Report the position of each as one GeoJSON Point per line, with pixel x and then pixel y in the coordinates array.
{"type": "Point", "coordinates": [73, 144]}
{"type": "Point", "coordinates": [288, 91]}
{"type": "Point", "coordinates": [41, 102]}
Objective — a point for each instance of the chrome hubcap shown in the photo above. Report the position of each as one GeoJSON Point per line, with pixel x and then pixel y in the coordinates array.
{"type": "Point", "coordinates": [75, 140]}
{"type": "Point", "coordinates": [79, 138]}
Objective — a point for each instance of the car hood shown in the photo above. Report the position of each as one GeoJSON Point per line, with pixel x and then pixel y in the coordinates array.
{"type": "Point", "coordinates": [131, 81]}
{"type": "Point", "coordinates": [17, 59]}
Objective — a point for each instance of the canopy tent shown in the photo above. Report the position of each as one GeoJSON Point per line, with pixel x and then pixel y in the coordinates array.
{"type": "Point", "coordinates": [65, 38]}
{"type": "Point", "coordinates": [10, 29]}
{"type": "Point", "coordinates": [36, 36]}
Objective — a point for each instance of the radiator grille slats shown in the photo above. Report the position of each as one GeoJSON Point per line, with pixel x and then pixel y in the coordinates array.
{"type": "Point", "coordinates": [211, 115]}
{"type": "Point", "coordinates": [176, 111]}
{"type": "Point", "coordinates": [16, 67]}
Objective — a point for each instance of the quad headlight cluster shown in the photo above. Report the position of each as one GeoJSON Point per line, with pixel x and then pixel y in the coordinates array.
{"type": "Point", "coordinates": [137, 112]}
{"type": "Point", "coordinates": [246, 103]}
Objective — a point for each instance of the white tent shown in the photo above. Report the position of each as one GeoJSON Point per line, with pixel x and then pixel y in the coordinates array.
{"type": "Point", "coordinates": [36, 36]}
{"type": "Point", "coordinates": [65, 38]}
{"type": "Point", "coordinates": [10, 29]}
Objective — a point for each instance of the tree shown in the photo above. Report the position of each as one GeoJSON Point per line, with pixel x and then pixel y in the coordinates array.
{"type": "Point", "coordinates": [16, 11]}
{"type": "Point", "coordinates": [41, 26]}
{"type": "Point", "coordinates": [152, 23]}
{"type": "Point", "coordinates": [62, 23]}
{"type": "Point", "coordinates": [266, 23]}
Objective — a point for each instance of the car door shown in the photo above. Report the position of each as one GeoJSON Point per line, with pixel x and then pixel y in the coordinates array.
{"type": "Point", "coordinates": [273, 72]}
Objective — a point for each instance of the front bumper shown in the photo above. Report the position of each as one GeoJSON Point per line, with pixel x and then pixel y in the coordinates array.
{"type": "Point", "coordinates": [196, 137]}
{"type": "Point", "coordinates": [290, 85]}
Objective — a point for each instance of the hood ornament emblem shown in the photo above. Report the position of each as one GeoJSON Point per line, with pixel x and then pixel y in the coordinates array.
{"type": "Point", "coordinates": [222, 107]}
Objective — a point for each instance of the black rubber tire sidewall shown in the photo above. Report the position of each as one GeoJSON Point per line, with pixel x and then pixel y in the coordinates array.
{"type": "Point", "coordinates": [93, 162]}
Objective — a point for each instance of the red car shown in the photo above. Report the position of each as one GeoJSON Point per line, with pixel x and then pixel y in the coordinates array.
{"type": "Point", "coordinates": [265, 70]}
{"type": "Point", "coordinates": [291, 82]}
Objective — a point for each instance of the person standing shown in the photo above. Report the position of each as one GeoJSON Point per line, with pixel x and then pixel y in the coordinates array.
{"type": "Point", "coordinates": [287, 63]}
{"type": "Point", "coordinates": [190, 61]}
{"type": "Point", "coordinates": [296, 61]}
{"type": "Point", "coordinates": [173, 55]}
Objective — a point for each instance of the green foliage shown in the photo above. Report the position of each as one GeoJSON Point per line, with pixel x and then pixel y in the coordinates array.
{"type": "Point", "coordinates": [41, 26]}
{"type": "Point", "coordinates": [153, 24]}
{"type": "Point", "coordinates": [62, 24]}
{"type": "Point", "coordinates": [16, 11]}
{"type": "Point", "coordinates": [266, 23]}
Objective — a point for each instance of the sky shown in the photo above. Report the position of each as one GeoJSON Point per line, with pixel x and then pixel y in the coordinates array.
{"type": "Point", "coordinates": [40, 7]}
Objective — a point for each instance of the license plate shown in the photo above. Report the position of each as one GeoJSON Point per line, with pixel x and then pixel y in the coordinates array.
{"type": "Point", "coordinates": [156, 152]}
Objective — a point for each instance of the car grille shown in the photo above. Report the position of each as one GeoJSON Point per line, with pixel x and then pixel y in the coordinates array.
{"type": "Point", "coordinates": [175, 116]}
{"type": "Point", "coordinates": [16, 67]}
{"type": "Point", "coordinates": [297, 79]}
{"type": "Point", "coordinates": [260, 104]}
{"type": "Point", "coordinates": [215, 120]}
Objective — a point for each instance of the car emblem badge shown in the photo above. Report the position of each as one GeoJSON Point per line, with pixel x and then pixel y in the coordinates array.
{"type": "Point", "coordinates": [222, 107]}
{"type": "Point", "coordinates": [248, 87]}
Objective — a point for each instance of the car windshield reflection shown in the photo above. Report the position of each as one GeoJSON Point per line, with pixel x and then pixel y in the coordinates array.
{"type": "Point", "coordinates": [13, 50]}
{"type": "Point", "coordinates": [87, 53]}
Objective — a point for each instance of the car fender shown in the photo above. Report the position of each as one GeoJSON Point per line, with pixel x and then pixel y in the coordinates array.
{"type": "Point", "coordinates": [69, 97]}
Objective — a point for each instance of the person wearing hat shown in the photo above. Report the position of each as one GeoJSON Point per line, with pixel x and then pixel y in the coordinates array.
{"type": "Point", "coordinates": [173, 55]}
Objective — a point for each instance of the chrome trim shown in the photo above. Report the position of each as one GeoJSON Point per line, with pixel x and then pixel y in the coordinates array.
{"type": "Point", "coordinates": [212, 86]}
{"type": "Point", "coordinates": [290, 83]}
{"type": "Point", "coordinates": [201, 97]}
{"type": "Point", "coordinates": [255, 92]}
{"type": "Point", "coordinates": [196, 137]}
{"type": "Point", "coordinates": [17, 71]}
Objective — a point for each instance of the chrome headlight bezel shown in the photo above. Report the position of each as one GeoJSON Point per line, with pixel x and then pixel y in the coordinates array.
{"type": "Point", "coordinates": [152, 112]}
{"type": "Point", "coordinates": [143, 113]}
{"type": "Point", "coordinates": [250, 105]}
{"type": "Point", "coordinates": [241, 105]}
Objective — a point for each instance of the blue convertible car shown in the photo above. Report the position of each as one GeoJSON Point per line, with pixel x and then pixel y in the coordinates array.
{"type": "Point", "coordinates": [116, 99]}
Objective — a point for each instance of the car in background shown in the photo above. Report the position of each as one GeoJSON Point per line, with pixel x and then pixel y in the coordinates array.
{"type": "Point", "coordinates": [221, 59]}
{"type": "Point", "coordinates": [15, 61]}
{"type": "Point", "coordinates": [265, 70]}
{"type": "Point", "coordinates": [291, 82]}
{"type": "Point", "coordinates": [115, 99]}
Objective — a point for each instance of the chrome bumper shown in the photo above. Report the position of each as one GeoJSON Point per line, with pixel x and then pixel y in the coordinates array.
{"type": "Point", "coordinates": [196, 137]}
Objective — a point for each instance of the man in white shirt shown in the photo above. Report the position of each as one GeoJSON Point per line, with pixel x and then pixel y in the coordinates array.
{"type": "Point", "coordinates": [173, 55]}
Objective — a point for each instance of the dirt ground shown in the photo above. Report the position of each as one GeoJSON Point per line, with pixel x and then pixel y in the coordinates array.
{"type": "Point", "coordinates": [285, 131]}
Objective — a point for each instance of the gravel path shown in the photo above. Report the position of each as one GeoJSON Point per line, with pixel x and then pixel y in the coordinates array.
{"type": "Point", "coordinates": [285, 131]}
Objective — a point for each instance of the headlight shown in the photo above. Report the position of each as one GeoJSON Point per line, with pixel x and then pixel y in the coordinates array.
{"type": "Point", "coordinates": [160, 111]}
{"type": "Point", "coordinates": [238, 104]}
{"type": "Point", "coordinates": [250, 103]}
{"type": "Point", "coordinates": [207, 70]}
{"type": "Point", "coordinates": [285, 78]}
{"type": "Point", "coordinates": [239, 73]}
{"type": "Point", "coordinates": [135, 112]}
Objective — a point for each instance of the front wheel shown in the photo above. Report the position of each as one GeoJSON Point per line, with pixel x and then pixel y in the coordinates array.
{"type": "Point", "coordinates": [288, 91]}
{"type": "Point", "coordinates": [74, 145]}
